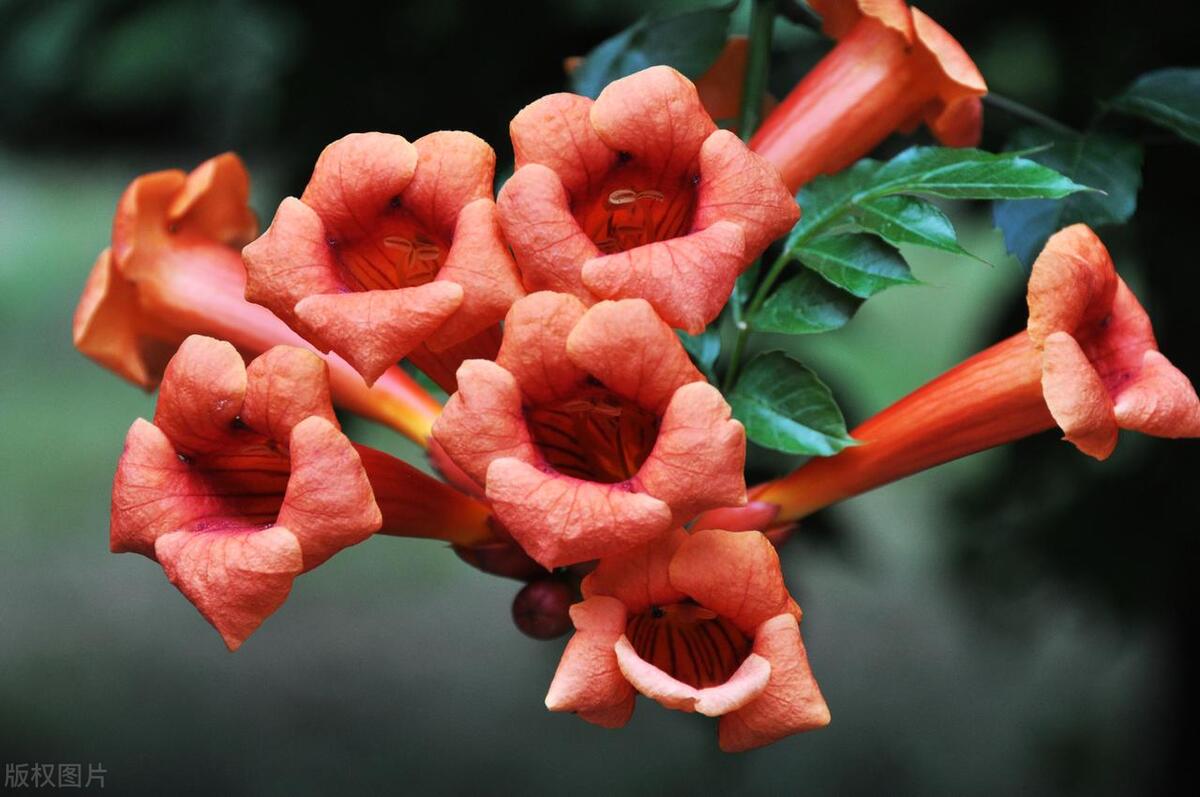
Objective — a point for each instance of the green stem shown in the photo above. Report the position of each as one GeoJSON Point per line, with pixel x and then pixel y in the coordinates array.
{"type": "Point", "coordinates": [1022, 111]}
{"type": "Point", "coordinates": [758, 63]}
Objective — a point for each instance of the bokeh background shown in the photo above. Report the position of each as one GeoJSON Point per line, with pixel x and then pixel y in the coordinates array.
{"type": "Point", "coordinates": [1023, 621]}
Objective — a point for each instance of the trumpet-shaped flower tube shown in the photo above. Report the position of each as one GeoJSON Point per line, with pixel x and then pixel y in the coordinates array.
{"type": "Point", "coordinates": [893, 68]}
{"type": "Point", "coordinates": [244, 481]}
{"type": "Point", "coordinates": [592, 432]}
{"type": "Point", "coordinates": [392, 251]}
{"type": "Point", "coordinates": [638, 195]}
{"type": "Point", "coordinates": [175, 269]}
{"type": "Point", "coordinates": [700, 623]}
{"type": "Point", "coordinates": [1087, 363]}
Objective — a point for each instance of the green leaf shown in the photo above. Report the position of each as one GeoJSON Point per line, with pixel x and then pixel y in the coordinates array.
{"type": "Point", "coordinates": [804, 305]}
{"type": "Point", "coordinates": [1110, 163]}
{"type": "Point", "coordinates": [1169, 98]}
{"type": "Point", "coordinates": [829, 196]}
{"type": "Point", "coordinates": [969, 174]}
{"type": "Point", "coordinates": [703, 348]}
{"type": "Point", "coordinates": [784, 406]}
{"type": "Point", "coordinates": [690, 42]}
{"type": "Point", "coordinates": [862, 264]}
{"type": "Point", "coordinates": [908, 220]}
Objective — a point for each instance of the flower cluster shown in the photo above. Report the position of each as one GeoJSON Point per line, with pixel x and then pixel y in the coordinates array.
{"type": "Point", "coordinates": [580, 448]}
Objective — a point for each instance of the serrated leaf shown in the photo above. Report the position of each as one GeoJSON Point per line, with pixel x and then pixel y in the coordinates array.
{"type": "Point", "coordinates": [804, 305]}
{"type": "Point", "coordinates": [908, 220]}
{"type": "Point", "coordinates": [1110, 163]}
{"type": "Point", "coordinates": [859, 263]}
{"type": "Point", "coordinates": [703, 348]}
{"type": "Point", "coordinates": [969, 174]}
{"type": "Point", "coordinates": [1167, 97]}
{"type": "Point", "coordinates": [784, 406]}
{"type": "Point", "coordinates": [829, 196]}
{"type": "Point", "coordinates": [690, 42]}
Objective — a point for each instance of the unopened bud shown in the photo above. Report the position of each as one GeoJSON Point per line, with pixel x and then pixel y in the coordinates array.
{"type": "Point", "coordinates": [540, 609]}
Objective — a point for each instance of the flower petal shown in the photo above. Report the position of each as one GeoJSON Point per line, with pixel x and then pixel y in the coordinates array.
{"type": "Point", "coordinates": [215, 202]}
{"type": "Point", "coordinates": [839, 16]}
{"type": "Point", "coordinates": [1160, 401]}
{"type": "Point", "coordinates": [329, 504]}
{"type": "Point", "coordinates": [236, 579]}
{"type": "Point", "coordinates": [356, 178]}
{"type": "Point", "coordinates": [654, 115]}
{"type": "Point", "coordinates": [284, 386]}
{"type": "Point", "coordinates": [140, 223]}
{"type": "Point", "coordinates": [687, 279]}
{"type": "Point", "coordinates": [374, 329]}
{"type": "Point", "coordinates": [697, 462]}
{"type": "Point", "coordinates": [791, 702]}
{"type": "Point", "coordinates": [559, 520]}
{"type": "Point", "coordinates": [735, 574]}
{"type": "Point", "coordinates": [1073, 282]}
{"type": "Point", "coordinates": [454, 168]}
{"type": "Point", "coordinates": [743, 187]}
{"type": "Point", "coordinates": [556, 131]}
{"type": "Point", "coordinates": [479, 261]}
{"type": "Point", "coordinates": [483, 421]}
{"type": "Point", "coordinates": [290, 261]}
{"type": "Point", "coordinates": [534, 350]}
{"type": "Point", "coordinates": [627, 346]}
{"type": "Point", "coordinates": [152, 493]}
{"type": "Point", "coordinates": [588, 680]}
{"type": "Point", "coordinates": [639, 577]}
{"type": "Point", "coordinates": [549, 245]}
{"type": "Point", "coordinates": [201, 395]}
{"type": "Point", "coordinates": [745, 685]}
{"type": "Point", "coordinates": [1076, 397]}
{"type": "Point", "coordinates": [958, 118]}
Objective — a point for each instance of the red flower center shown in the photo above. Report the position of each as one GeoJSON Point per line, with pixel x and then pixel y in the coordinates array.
{"type": "Point", "coordinates": [243, 484]}
{"type": "Point", "coordinates": [688, 642]}
{"type": "Point", "coordinates": [594, 435]}
{"type": "Point", "coordinates": [634, 207]}
{"type": "Point", "coordinates": [399, 251]}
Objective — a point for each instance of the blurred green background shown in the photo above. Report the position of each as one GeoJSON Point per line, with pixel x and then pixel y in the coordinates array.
{"type": "Point", "coordinates": [1023, 621]}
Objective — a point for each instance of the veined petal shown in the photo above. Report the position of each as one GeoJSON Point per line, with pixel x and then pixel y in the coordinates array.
{"type": "Point", "coordinates": [743, 187]}
{"type": "Point", "coordinates": [1076, 397]}
{"type": "Point", "coordinates": [482, 421]}
{"type": "Point", "coordinates": [375, 329]}
{"type": "Point", "coordinates": [556, 131]}
{"type": "Point", "coordinates": [735, 574]}
{"type": "Point", "coordinates": [791, 702]}
{"type": "Point", "coordinates": [744, 686]}
{"type": "Point", "coordinates": [687, 280]}
{"type": "Point", "coordinates": [356, 178]}
{"type": "Point", "coordinates": [560, 520]}
{"type": "Point", "coordinates": [588, 680]}
{"type": "Point", "coordinates": [632, 351]}
{"type": "Point", "coordinates": [284, 386]}
{"type": "Point", "coordinates": [697, 462]}
{"type": "Point", "coordinates": [534, 349]}
{"type": "Point", "coordinates": [549, 244]}
{"type": "Point", "coordinates": [454, 168]}
{"type": "Point", "coordinates": [639, 577]}
{"type": "Point", "coordinates": [235, 578]}
{"type": "Point", "coordinates": [478, 261]}
{"type": "Point", "coordinates": [1160, 401]}
{"type": "Point", "coordinates": [201, 395]}
{"type": "Point", "coordinates": [1073, 282]}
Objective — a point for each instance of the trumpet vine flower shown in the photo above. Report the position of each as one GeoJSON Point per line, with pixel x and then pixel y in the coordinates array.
{"type": "Point", "coordinates": [638, 195]}
{"type": "Point", "coordinates": [893, 68]}
{"type": "Point", "coordinates": [1087, 362]}
{"type": "Point", "coordinates": [700, 623]}
{"type": "Point", "coordinates": [592, 432]}
{"type": "Point", "coordinates": [175, 269]}
{"type": "Point", "coordinates": [244, 480]}
{"type": "Point", "coordinates": [392, 251]}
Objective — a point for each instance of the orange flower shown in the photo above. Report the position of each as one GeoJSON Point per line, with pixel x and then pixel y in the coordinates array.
{"type": "Point", "coordinates": [175, 269]}
{"type": "Point", "coordinates": [1087, 362]}
{"type": "Point", "coordinates": [699, 622]}
{"type": "Point", "coordinates": [392, 251]}
{"type": "Point", "coordinates": [244, 481]}
{"type": "Point", "coordinates": [638, 195]}
{"type": "Point", "coordinates": [592, 432]}
{"type": "Point", "coordinates": [893, 68]}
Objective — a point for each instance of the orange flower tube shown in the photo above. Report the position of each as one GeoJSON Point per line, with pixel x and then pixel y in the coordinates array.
{"type": "Point", "coordinates": [174, 269]}
{"type": "Point", "coordinates": [893, 68]}
{"type": "Point", "coordinates": [1087, 363]}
